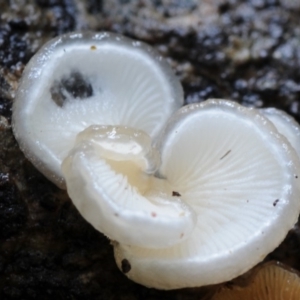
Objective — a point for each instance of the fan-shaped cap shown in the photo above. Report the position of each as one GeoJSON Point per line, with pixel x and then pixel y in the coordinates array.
{"type": "Point", "coordinates": [80, 79]}
{"type": "Point", "coordinates": [107, 176]}
{"type": "Point", "coordinates": [285, 124]}
{"type": "Point", "coordinates": [239, 175]}
{"type": "Point", "coordinates": [270, 281]}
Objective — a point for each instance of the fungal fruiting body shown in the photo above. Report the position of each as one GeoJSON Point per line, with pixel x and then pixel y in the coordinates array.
{"type": "Point", "coordinates": [108, 176]}
{"type": "Point", "coordinates": [77, 80]}
{"type": "Point", "coordinates": [267, 281]}
{"type": "Point", "coordinates": [190, 198]}
{"type": "Point", "coordinates": [239, 175]}
{"type": "Point", "coordinates": [285, 124]}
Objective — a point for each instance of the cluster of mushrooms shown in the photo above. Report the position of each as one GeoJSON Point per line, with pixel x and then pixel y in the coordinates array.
{"type": "Point", "coordinates": [189, 196]}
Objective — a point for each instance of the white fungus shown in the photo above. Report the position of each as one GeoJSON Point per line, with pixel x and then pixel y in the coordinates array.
{"type": "Point", "coordinates": [77, 80]}
{"type": "Point", "coordinates": [285, 124]}
{"type": "Point", "coordinates": [233, 168]}
{"type": "Point", "coordinates": [215, 195]}
{"type": "Point", "coordinates": [108, 176]}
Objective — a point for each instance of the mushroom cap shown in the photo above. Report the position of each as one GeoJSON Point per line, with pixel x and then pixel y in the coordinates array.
{"type": "Point", "coordinates": [121, 143]}
{"type": "Point", "coordinates": [107, 179]}
{"type": "Point", "coordinates": [234, 169]}
{"type": "Point", "coordinates": [80, 79]}
{"type": "Point", "coordinates": [270, 281]}
{"type": "Point", "coordinates": [285, 124]}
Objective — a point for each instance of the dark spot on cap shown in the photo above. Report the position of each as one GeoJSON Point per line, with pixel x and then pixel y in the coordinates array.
{"type": "Point", "coordinates": [77, 86]}
{"type": "Point", "coordinates": [153, 214]}
{"type": "Point", "coordinates": [125, 266]}
{"type": "Point", "coordinates": [73, 86]}
{"type": "Point", "coordinates": [296, 176]}
{"type": "Point", "coordinates": [275, 202]}
{"type": "Point", "coordinates": [57, 94]}
{"type": "Point", "coordinates": [116, 214]}
{"type": "Point", "coordinates": [175, 194]}
{"type": "Point", "coordinates": [93, 47]}
{"type": "Point", "coordinates": [181, 236]}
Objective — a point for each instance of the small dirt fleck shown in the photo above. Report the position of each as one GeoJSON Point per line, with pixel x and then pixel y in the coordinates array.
{"type": "Point", "coordinates": [275, 202]}
{"type": "Point", "coordinates": [296, 176]}
{"type": "Point", "coordinates": [93, 47]}
{"type": "Point", "coordinates": [153, 214]}
{"type": "Point", "coordinates": [225, 154]}
{"type": "Point", "coordinates": [176, 194]}
{"type": "Point", "coordinates": [126, 266]}
{"type": "Point", "coordinates": [181, 236]}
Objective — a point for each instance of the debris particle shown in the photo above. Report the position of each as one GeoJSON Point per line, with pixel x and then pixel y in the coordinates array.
{"type": "Point", "coordinates": [176, 194]}
{"type": "Point", "coordinates": [225, 154]}
{"type": "Point", "coordinates": [275, 202]}
{"type": "Point", "coordinates": [126, 267]}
